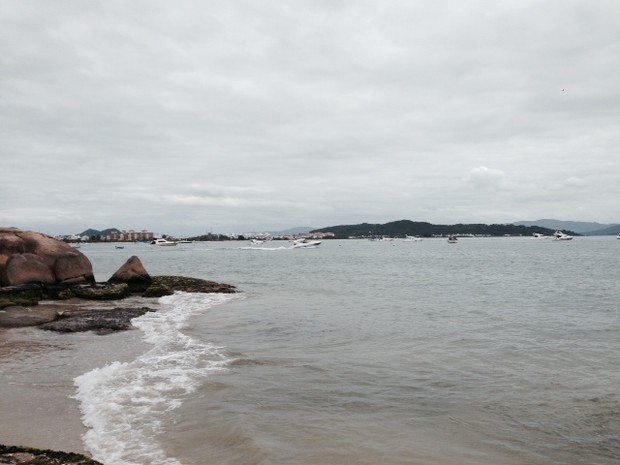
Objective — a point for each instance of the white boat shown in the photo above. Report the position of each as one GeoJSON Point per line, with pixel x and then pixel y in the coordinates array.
{"type": "Point", "coordinates": [560, 236]}
{"type": "Point", "coordinates": [539, 236]}
{"type": "Point", "coordinates": [256, 241]}
{"type": "Point", "coordinates": [452, 240]}
{"type": "Point", "coordinates": [163, 242]}
{"type": "Point", "coordinates": [301, 243]}
{"type": "Point", "coordinates": [411, 238]}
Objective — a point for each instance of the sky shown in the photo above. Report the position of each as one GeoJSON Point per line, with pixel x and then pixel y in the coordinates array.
{"type": "Point", "coordinates": [230, 116]}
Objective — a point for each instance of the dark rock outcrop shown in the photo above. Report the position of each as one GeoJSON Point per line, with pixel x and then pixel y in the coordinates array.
{"type": "Point", "coordinates": [166, 285]}
{"type": "Point", "coordinates": [101, 291]}
{"type": "Point", "coordinates": [32, 257]}
{"type": "Point", "coordinates": [133, 274]}
{"type": "Point", "coordinates": [18, 455]}
{"type": "Point", "coordinates": [101, 321]}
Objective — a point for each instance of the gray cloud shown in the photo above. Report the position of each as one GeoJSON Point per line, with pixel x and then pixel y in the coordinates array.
{"type": "Point", "coordinates": [244, 115]}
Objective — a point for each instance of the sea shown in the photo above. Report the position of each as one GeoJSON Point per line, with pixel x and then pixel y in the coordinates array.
{"type": "Point", "coordinates": [502, 351]}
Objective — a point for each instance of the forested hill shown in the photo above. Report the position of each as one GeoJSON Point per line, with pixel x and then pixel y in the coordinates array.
{"type": "Point", "coordinates": [422, 229]}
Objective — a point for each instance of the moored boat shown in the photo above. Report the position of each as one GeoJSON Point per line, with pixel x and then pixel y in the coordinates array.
{"type": "Point", "coordinates": [560, 236]}
{"type": "Point", "coordinates": [164, 242]}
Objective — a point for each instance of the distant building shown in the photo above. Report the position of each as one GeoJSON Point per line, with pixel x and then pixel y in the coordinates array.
{"type": "Point", "coordinates": [131, 235]}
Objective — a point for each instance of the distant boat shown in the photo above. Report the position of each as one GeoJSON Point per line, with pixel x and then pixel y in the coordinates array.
{"type": "Point", "coordinates": [163, 242]}
{"type": "Point", "coordinates": [452, 240]}
{"type": "Point", "coordinates": [186, 241]}
{"type": "Point", "coordinates": [412, 238]}
{"type": "Point", "coordinates": [257, 241]}
{"type": "Point", "coordinates": [560, 236]}
{"type": "Point", "coordinates": [119, 247]}
{"type": "Point", "coordinates": [539, 236]}
{"type": "Point", "coordinates": [618, 236]}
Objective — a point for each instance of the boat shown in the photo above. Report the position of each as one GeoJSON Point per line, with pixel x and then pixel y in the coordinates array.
{"type": "Point", "coordinates": [411, 238]}
{"type": "Point", "coordinates": [305, 243]}
{"type": "Point", "coordinates": [162, 242]}
{"type": "Point", "coordinates": [452, 240]}
{"type": "Point", "coordinates": [256, 241]}
{"type": "Point", "coordinates": [186, 241]}
{"type": "Point", "coordinates": [119, 246]}
{"type": "Point", "coordinates": [560, 236]}
{"type": "Point", "coordinates": [539, 236]}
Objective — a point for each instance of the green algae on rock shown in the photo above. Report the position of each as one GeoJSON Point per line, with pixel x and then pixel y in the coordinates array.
{"type": "Point", "coordinates": [19, 455]}
{"type": "Point", "coordinates": [167, 285]}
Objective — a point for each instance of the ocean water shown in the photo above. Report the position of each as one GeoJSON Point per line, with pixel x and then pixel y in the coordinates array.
{"type": "Point", "coordinates": [489, 351]}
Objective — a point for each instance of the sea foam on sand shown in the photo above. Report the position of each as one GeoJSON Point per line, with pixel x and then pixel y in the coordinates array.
{"type": "Point", "coordinates": [125, 404]}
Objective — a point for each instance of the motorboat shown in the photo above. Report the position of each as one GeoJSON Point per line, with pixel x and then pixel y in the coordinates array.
{"type": "Point", "coordinates": [301, 243]}
{"type": "Point", "coordinates": [411, 238]}
{"type": "Point", "coordinates": [162, 241]}
{"type": "Point", "coordinates": [539, 236]}
{"type": "Point", "coordinates": [257, 241]}
{"type": "Point", "coordinates": [560, 236]}
{"type": "Point", "coordinates": [452, 240]}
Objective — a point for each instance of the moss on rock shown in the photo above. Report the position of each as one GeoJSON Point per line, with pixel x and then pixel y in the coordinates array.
{"type": "Point", "coordinates": [166, 285]}
{"type": "Point", "coordinates": [18, 455]}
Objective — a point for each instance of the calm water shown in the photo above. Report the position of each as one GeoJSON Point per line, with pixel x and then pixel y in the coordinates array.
{"type": "Point", "coordinates": [489, 351]}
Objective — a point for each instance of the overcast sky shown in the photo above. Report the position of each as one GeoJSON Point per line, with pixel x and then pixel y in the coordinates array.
{"type": "Point", "coordinates": [183, 117]}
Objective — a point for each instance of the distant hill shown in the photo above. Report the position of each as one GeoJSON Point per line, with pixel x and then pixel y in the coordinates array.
{"type": "Point", "coordinates": [423, 229]}
{"type": "Point", "coordinates": [612, 230]}
{"type": "Point", "coordinates": [581, 227]}
{"type": "Point", "coordinates": [95, 232]}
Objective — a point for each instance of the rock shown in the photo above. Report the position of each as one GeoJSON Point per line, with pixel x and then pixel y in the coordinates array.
{"type": "Point", "coordinates": [101, 291]}
{"type": "Point", "coordinates": [18, 316]}
{"type": "Point", "coordinates": [32, 257]}
{"type": "Point", "coordinates": [32, 292]}
{"type": "Point", "coordinates": [165, 285]}
{"type": "Point", "coordinates": [71, 267]}
{"type": "Point", "coordinates": [27, 268]}
{"type": "Point", "coordinates": [18, 455]}
{"type": "Point", "coordinates": [133, 274]}
{"type": "Point", "coordinates": [101, 321]}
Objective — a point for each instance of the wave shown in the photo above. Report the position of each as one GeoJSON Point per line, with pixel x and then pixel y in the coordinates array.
{"type": "Point", "coordinates": [124, 405]}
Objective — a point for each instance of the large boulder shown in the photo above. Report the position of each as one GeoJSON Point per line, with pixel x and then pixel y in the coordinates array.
{"type": "Point", "coordinates": [32, 257]}
{"type": "Point", "coordinates": [133, 274]}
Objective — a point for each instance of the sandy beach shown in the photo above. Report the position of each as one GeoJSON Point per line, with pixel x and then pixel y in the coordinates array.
{"type": "Point", "coordinates": [37, 369]}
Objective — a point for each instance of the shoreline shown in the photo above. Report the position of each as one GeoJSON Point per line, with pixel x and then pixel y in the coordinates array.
{"type": "Point", "coordinates": [38, 369]}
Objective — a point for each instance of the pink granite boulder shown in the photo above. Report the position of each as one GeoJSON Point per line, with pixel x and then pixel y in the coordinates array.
{"type": "Point", "coordinates": [32, 257]}
{"type": "Point", "coordinates": [132, 273]}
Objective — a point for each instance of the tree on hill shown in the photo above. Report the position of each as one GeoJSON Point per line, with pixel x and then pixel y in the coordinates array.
{"type": "Point", "coordinates": [411, 228]}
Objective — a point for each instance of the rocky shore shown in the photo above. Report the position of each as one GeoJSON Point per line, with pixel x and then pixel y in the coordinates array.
{"type": "Point", "coordinates": [98, 307]}
{"type": "Point", "coordinates": [48, 285]}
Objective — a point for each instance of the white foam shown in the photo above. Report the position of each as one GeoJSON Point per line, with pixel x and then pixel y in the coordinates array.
{"type": "Point", "coordinates": [124, 404]}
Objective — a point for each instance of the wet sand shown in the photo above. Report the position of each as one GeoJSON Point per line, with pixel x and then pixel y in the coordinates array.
{"type": "Point", "coordinates": [37, 369]}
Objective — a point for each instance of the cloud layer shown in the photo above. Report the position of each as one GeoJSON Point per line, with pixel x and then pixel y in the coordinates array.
{"type": "Point", "coordinates": [234, 116]}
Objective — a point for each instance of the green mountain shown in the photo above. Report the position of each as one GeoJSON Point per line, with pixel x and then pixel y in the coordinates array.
{"type": "Point", "coordinates": [423, 229]}
{"type": "Point", "coordinates": [95, 232]}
